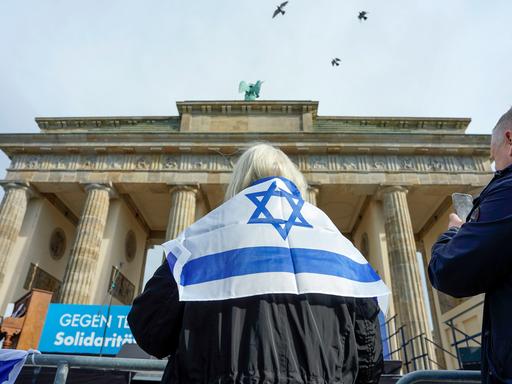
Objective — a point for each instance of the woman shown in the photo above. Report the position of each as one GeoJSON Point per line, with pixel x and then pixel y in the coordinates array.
{"type": "Point", "coordinates": [259, 290]}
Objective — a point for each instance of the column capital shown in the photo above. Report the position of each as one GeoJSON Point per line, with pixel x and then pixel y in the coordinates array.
{"type": "Point", "coordinates": [312, 193]}
{"type": "Point", "coordinates": [18, 184]}
{"type": "Point", "coordinates": [183, 208]}
{"type": "Point", "coordinates": [101, 186]}
{"type": "Point", "coordinates": [314, 188]}
{"type": "Point", "coordinates": [385, 189]}
{"type": "Point", "coordinates": [184, 187]}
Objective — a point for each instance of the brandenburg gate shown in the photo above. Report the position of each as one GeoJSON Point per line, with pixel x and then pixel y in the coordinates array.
{"type": "Point", "coordinates": [87, 197]}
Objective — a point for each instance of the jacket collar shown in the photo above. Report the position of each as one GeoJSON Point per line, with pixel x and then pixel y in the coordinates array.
{"type": "Point", "coordinates": [504, 171]}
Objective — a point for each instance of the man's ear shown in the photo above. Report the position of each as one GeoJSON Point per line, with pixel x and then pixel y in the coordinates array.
{"type": "Point", "coordinates": [508, 140]}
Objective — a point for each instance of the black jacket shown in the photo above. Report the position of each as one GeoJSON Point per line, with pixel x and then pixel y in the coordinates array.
{"type": "Point", "coordinates": [281, 338]}
{"type": "Point", "coordinates": [477, 258]}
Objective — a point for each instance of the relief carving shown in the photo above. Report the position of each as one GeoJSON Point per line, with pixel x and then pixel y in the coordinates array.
{"type": "Point", "coordinates": [32, 162]}
{"type": "Point", "coordinates": [379, 163]}
{"type": "Point", "coordinates": [170, 163]}
{"type": "Point", "coordinates": [318, 162]}
{"type": "Point", "coordinates": [200, 165]}
{"type": "Point", "coordinates": [120, 287]}
{"type": "Point", "coordinates": [114, 163]}
{"type": "Point", "coordinates": [468, 164]}
{"type": "Point", "coordinates": [57, 243]}
{"type": "Point", "coordinates": [407, 163]}
{"type": "Point", "coordinates": [220, 162]}
{"type": "Point", "coordinates": [88, 162]}
{"type": "Point", "coordinates": [349, 163]}
{"type": "Point", "coordinates": [62, 163]}
{"type": "Point", "coordinates": [141, 163]}
{"type": "Point", "coordinates": [436, 164]}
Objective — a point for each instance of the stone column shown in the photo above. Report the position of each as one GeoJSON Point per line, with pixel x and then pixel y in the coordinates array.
{"type": "Point", "coordinates": [183, 210]}
{"type": "Point", "coordinates": [436, 332]}
{"type": "Point", "coordinates": [143, 267]}
{"type": "Point", "coordinates": [405, 276]}
{"type": "Point", "coordinates": [12, 212]}
{"type": "Point", "coordinates": [312, 195]}
{"type": "Point", "coordinates": [81, 267]}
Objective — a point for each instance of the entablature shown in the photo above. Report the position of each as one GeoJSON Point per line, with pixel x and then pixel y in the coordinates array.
{"type": "Point", "coordinates": [108, 124]}
{"type": "Point", "coordinates": [206, 142]}
{"type": "Point", "coordinates": [251, 116]}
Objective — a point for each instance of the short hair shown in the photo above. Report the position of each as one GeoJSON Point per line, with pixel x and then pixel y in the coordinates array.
{"type": "Point", "coordinates": [259, 161]}
{"type": "Point", "coordinates": [504, 123]}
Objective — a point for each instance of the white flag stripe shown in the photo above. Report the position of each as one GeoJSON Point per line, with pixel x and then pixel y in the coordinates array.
{"type": "Point", "coordinates": [236, 236]}
{"type": "Point", "coordinates": [332, 285]}
{"type": "Point", "coordinates": [268, 283]}
{"type": "Point", "coordinates": [240, 286]}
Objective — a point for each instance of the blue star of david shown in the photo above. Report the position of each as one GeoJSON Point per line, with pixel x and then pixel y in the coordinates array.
{"type": "Point", "coordinates": [283, 227]}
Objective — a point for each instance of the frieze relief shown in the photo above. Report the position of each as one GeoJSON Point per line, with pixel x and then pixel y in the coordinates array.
{"type": "Point", "coordinates": [224, 163]}
{"type": "Point", "coordinates": [170, 162]}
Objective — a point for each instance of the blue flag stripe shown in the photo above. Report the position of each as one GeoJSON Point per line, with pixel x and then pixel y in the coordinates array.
{"type": "Point", "coordinates": [171, 260]}
{"type": "Point", "coordinates": [6, 366]}
{"type": "Point", "coordinates": [245, 261]}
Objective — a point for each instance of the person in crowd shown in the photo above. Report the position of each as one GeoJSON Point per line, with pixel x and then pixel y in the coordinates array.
{"type": "Point", "coordinates": [474, 257]}
{"type": "Point", "coordinates": [263, 289]}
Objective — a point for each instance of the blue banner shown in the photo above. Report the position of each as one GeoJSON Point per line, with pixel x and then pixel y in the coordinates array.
{"type": "Point", "coordinates": [85, 329]}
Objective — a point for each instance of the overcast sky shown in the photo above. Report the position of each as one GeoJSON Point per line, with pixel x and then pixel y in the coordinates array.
{"type": "Point", "coordinates": [102, 58]}
{"type": "Point", "coordinates": [410, 58]}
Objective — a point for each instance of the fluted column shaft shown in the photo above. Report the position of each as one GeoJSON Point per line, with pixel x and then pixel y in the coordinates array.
{"type": "Point", "coordinates": [12, 212]}
{"type": "Point", "coordinates": [86, 248]}
{"type": "Point", "coordinates": [312, 195]}
{"type": "Point", "coordinates": [183, 210]}
{"type": "Point", "coordinates": [405, 275]}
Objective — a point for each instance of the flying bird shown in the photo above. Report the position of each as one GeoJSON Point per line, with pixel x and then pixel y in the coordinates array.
{"type": "Point", "coordinates": [279, 9]}
{"type": "Point", "coordinates": [363, 15]}
{"type": "Point", "coordinates": [335, 62]}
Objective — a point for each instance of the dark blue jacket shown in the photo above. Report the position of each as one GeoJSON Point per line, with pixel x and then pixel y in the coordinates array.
{"type": "Point", "coordinates": [477, 258]}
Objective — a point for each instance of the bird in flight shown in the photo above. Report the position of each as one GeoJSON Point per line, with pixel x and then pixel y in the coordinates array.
{"type": "Point", "coordinates": [363, 15]}
{"type": "Point", "coordinates": [279, 9]}
{"type": "Point", "coordinates": [335, 62]}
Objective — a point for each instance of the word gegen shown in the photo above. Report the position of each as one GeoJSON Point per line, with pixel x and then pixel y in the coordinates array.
{"type": "Point", "coordinates": [92, 321]}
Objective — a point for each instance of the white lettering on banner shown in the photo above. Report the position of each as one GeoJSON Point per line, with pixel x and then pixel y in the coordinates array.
{"type": "Point", "coordinates": [122, 322]}
{"type": "Point", "coordinates": [65, 319]}
{"type": "Point", "coordinates": [86, 320]}
{"type": "Point", "coordinates": [80, 339]}
{"type": "Point", "coordinates": [59, 339]}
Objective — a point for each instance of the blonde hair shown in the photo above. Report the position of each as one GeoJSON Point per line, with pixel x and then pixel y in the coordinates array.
{"type": "Point", "coordinates": [259, 161]}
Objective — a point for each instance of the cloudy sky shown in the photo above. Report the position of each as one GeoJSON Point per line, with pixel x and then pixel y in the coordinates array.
{"type": "Point", "coordinates": [132, 57]}
{"type": "Point", "coordinates": [410, 58]}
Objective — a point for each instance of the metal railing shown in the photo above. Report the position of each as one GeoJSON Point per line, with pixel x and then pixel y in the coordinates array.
{"type": "Point", "coordinates": [63, 363]}
{"type": "Point", "coordinates": [466, 339]}
{"type": "Point", "coordinates": [439, 347]}
{"type": "Point", "coordinates": [391, 333]}
{"type": "Point", "coordinates": [441, 377]}
{"type": "Point", "coordinates": [414, 352]}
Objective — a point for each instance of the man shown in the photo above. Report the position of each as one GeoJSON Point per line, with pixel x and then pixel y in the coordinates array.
{"type": "Point", "coordinates": [475, 257]}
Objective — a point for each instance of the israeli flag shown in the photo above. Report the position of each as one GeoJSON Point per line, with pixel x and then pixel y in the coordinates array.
{"type": "Point", "coordinates": [11, 362]}
{"type": "Point", "coordinates": [267, 239]}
